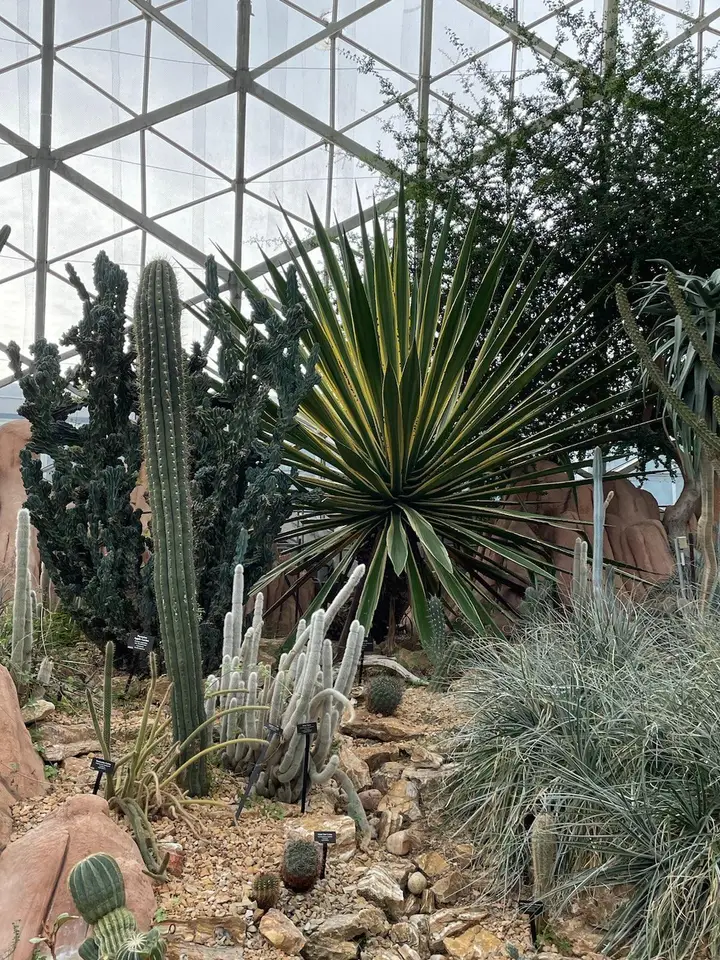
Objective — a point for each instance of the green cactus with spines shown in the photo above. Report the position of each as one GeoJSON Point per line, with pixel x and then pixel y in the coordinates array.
{"type": "Point", "coordinates": [266, 890]}
{"type": "Point", "coordinates": [89, 950]}
{"type": "Point", "coordinates": [22, 622]}
{"type": "Point", "coordinates": [142, 946]}
{"type": "Point", "coordinates": [543, 854]}
{"type": "Point", "coordinates": [98, 891]}
{"type": "Point", "coordinates": [384, 694]}
{"type": "Point", "coordinates": [301, 865]}
{"type": "Point", "coordinates": [162, 400]}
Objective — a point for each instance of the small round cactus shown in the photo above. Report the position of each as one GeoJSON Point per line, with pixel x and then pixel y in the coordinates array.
{"type": "Point", "coordinates": [266, 890]}
{"type": "Point", "coordinates": [301, 865]}
{"type": "Point", "coordinates": [143, 946]}
{"type": "Point", "coordinates": [383, 694]}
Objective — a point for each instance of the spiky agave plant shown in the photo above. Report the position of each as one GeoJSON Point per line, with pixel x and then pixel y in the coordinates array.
{"type": "Point", "coordinates": [434, 403]}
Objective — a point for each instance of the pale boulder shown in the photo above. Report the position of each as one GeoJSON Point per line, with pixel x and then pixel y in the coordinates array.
{"type": "Point", "coordinates": [282, 933]}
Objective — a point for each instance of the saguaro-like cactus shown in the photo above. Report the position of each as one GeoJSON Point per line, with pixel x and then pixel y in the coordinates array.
{"type": "Point", "coordinates": [162, 398]}
{"type": "Point", "coordinates": [22, 626]}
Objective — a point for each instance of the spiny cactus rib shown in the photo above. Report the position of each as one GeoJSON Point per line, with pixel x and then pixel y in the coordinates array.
{"type": "Point", "coordinates": [22, 636]}
{"type": "Point", "coordinates": [162, 397]}
{"type": "Point", "coordinates": [598, 522]}
{"type": "Point", "coordinates": [543, 849]}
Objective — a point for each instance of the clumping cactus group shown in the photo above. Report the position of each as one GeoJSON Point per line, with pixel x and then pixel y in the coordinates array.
{"type": "Point", "coordinates": [301, 865]}
{"type": "Point", "coordinates": [98, 891]}
{"type": "Point", "coordinates": [306, 688]}
{"type": "Point", "coordinates": [383, 694]}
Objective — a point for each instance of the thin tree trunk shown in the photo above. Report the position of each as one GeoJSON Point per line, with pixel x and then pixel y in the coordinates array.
{"type": "Point", "coordinates": [706, 530]}
{"type": "Point", "coordinates": [677, 516]}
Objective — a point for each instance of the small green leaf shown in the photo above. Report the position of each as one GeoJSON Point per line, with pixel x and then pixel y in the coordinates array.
{"type": "Point", "coordinates": [397, 545]}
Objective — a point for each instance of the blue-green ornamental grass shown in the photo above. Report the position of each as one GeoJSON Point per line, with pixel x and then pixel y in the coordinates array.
{"type": "Point", "coordinates": [605, 716]}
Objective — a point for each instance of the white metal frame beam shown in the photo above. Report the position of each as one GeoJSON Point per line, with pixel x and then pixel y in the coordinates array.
{"type": "Point", "coordinates": [242, 82]}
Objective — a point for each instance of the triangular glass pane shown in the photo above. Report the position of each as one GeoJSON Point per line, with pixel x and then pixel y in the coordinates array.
{"type": "Point", "coordinates": [359, 92]}
{"type": "Point", "coordinates": [20, 99]}
{"type": "Point", "coordinates": [18, 207]}
{"type": "Point", "coordinates": [272, 137]}
{"type": "Point", "coordinates": [76, 18]}
{"type": "Point", "coordinates": [212, 22]}
{"type": "Point", "coordinates": [24, 15]}
{"type": "Point", "coordinates": [116, 167]}
{"type": "Point", "coordinates": [304, 80]}
{"type": "Point", "coordinates": [174, 179]}
{"type": "Point", "coordinates": [206, 224]}
{"type": "Point", "coordinates": [79, 110]}
{"type": "Point", "coordinates": [391, 32]}
{"type": "Point", "coordinates": [176, 71]}
{"type": "Point", "coordinates": [277, 27]}
{"type": "Point", "coordinates": [297, 183]}
{"type": "Point", "coordinates": [17, 308]}
{"type": "Point", "coordinates": [14, 47]}
{"type": "Point", "coordinates": [197, 131]}
{"type": "Point", "coordinates": [76, 218]}
{"type": "Point", "coordinates": [114, 62]}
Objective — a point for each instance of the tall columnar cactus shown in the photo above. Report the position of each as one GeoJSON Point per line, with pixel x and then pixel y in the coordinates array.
{"type": "Point", "coordinates": [598, 521]}
{"type": "Point", "coordinates": [543, 853]}
{"type": "Point", "coordinates": [304, 689]}
{"type": "Point", "coordinates": [98, 891]}
{"type": "Point", "coordinates": [22, 625]}
{"type": "Point", "coordinates": [162, 398]}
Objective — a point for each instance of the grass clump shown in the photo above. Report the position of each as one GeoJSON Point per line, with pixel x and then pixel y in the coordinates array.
{"type": "Point", "coordinates": [606, 716]}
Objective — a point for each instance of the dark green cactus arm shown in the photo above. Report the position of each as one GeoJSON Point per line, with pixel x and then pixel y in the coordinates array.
{"type": "Point", "coordinates": [162, 397]}
{"type": "Point", "coordinates": [4, 235]}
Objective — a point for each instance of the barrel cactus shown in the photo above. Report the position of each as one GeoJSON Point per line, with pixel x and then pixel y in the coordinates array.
{"type": "Point", "coordinates": [162, 401]}
{"type": "Point", "coordinates": [266, 890]}
{"type": "Point", "coordinates": [383, 694]}
{"type": "Point", "coordinates": [98, 891]}
{"type": "Point", "coordinates": [301, 865]}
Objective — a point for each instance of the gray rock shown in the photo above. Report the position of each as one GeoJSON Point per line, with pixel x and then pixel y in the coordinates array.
{"type": "Point", "coordinates": [368, 921]}
{"type": "Point", "coordinates": [379, 888]}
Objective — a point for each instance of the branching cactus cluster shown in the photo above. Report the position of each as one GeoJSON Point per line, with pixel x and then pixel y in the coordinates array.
{"type": "Point", "coordinates": [304, 689]}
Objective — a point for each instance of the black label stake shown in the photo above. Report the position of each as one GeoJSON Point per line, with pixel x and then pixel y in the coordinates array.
{"type": "Point", "coordinates": [102, 767]}
{"type": "Point", "coordinates": [308, 729]}
{"type": "Point", "coordinates": [325, 837]}
{"type": "Point", "coordinates": [533, 909]}
{"type": "Point", "coordinates": [141, 643]}
{"type": "Point", "coordinates": [366, 648]}
{"type": "Point", "coordinates": [255, 773]}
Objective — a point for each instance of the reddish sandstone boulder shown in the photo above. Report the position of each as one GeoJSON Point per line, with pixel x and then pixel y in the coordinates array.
{"type": "Point", "coordinates": [22, 773]}
{"type": "Point", "coordinates": [34, 872]}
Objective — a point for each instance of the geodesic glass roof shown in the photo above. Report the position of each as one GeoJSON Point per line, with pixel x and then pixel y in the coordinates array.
{"type": "Point", "coordinates": [159, 128]}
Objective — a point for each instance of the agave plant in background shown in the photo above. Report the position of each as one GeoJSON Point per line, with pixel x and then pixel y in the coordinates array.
{"type": "Point", "coordinates": [433, 404]}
